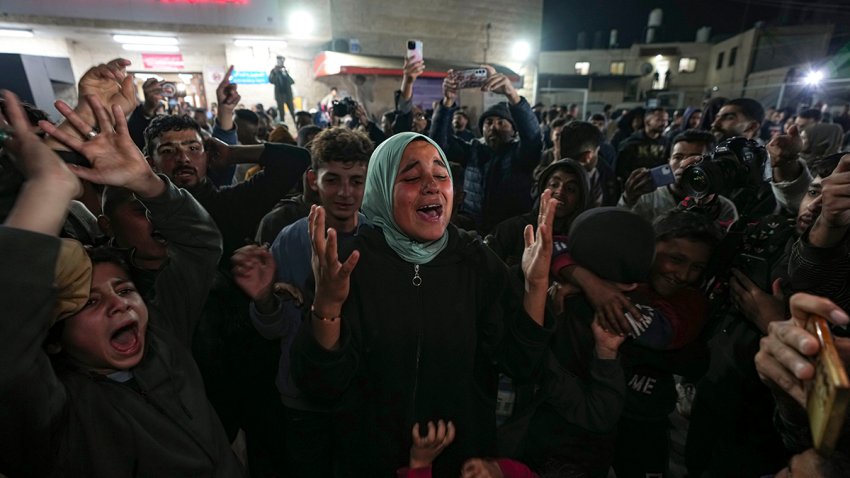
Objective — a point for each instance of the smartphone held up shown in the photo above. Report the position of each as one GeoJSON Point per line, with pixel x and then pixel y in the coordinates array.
{"type": "Point", "coordinates": [414, 51]}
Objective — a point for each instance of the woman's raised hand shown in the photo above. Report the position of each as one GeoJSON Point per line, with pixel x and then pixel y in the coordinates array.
{"type": "Point", "coordinates": [332, 276]}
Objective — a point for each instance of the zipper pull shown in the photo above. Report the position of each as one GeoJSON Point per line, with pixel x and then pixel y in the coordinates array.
{"type": "Point", "coordinates": [417, 281]}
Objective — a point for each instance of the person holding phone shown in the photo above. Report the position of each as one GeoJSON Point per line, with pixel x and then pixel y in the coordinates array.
{"type": "Point", "coordinates": [499, 169]}
{"type": "Point", "coordinates": [652, 194]}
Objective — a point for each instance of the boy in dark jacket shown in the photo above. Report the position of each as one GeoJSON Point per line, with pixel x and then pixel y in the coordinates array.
{"type": "Point", "coordinates": [119, 394]}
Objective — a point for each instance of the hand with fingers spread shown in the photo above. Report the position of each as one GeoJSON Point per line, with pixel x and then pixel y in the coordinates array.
{"type": "Point", "coordinates": [537, 258]}
{"type": "Point", "coordinates": [254, 272]}
{"type": "Point", "coordinates": [481, 468]}
{"type": "Point", "coordinates": [784, 358]}
{"type": "Point", "coordinates": [228, 98]}
{"type": "Point", "coordinates": [43, 200]}
{"type": "Point", "coordinates": [757, 305]}
{"type": "Point", "coordinates": [500, 84]}
{"type": "Point", "coordinates": [638, 183]}
{"type": "Point", "coordinates": [115, 159]}
{"type": "Point", "coordinates": [333, 278]}
{"type": "Point", "coordinates": [425, 449]}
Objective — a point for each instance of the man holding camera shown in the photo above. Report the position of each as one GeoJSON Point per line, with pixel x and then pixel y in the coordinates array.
{"type": "Point", "coordinates": [498, 171]}
{"type": "Point", "coordinates": [644, 197]}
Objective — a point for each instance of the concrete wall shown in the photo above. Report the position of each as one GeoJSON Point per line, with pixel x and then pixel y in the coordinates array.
{"type": "Point", "coordinates": [729, 80]}
{"type": "Point", "coordinates": [449, 29]}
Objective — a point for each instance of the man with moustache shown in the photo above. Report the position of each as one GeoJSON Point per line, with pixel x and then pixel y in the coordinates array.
{"type": "Point", "coordinates": [645, 148]}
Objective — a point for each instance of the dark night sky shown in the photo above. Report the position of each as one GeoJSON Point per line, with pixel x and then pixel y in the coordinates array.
{"type": "Point", "coordinates": [563, 19]}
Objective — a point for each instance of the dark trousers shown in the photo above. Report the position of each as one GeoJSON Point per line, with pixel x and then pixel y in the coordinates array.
{"type": "Point", "coordinates": [285, 100]}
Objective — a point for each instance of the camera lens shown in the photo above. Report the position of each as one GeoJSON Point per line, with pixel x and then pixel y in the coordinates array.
{"type": "Point", "coordinates": [696, 181]}
{"type": "Point", "coordinates": [411, 45]}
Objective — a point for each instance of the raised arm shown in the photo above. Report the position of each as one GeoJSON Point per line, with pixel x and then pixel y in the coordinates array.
{"type": "Point", "coordinates": [31, 277]}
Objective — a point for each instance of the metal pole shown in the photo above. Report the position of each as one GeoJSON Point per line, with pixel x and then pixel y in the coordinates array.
{"type": "Point", "coordinates": [781, 95]}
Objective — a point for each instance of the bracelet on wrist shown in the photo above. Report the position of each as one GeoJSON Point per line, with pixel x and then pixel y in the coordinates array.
{"type": "Point", "coordinates": [320, 317]}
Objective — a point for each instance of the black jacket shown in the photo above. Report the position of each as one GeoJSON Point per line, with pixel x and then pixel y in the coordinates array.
{"type": "Point", "coordinates": [237, 210]}
{"type": "Point", "coordinates": [412, 354]}
{"type": "Point", "coordinates": [64, 421]}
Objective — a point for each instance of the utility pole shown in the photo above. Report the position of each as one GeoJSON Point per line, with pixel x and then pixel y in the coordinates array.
{"type": "Point", "coordinates": [487, 44]}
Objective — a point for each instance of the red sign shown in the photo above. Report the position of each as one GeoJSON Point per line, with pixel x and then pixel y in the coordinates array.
{"type": "Point", "coordinates": [163, 61]}
{"type": "Point", "coordinates": [215, 2]}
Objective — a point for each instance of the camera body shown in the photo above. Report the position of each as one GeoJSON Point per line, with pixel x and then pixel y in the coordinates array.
{"type": "Point", "coordinates": [735, 163]}
{"type": "Point", "coordinates": [344, 107]}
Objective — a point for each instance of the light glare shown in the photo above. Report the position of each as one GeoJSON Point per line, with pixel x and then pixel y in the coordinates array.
{"type": "Point", "coordinates": [521, 50]}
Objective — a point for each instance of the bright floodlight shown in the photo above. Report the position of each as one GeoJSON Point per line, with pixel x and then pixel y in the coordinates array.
{"type": "Point", "coordinates": [521, 50]}
{"type": "Point", "coordinates": [813, 77]}
{"type": "Point", "coordinates": [301, 23]}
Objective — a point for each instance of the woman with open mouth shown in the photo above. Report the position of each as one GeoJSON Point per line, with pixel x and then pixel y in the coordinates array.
{"type": "Point", "coordinates": [413, 322]}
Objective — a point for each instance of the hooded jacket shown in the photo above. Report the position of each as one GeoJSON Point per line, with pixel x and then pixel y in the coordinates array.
{"type": "Point", "coordinates": [411, 354]}
{"type": "Point", "coordinates": [507, 239]}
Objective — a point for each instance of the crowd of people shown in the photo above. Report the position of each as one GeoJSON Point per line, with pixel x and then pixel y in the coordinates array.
{"type": "Point", "coordinates": [550, 294]}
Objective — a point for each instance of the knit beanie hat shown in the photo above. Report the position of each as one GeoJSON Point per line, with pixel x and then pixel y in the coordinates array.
{"type": "Point", "coordinates": [615, 244]}
{"type": "Point", "coordinates": [499, 109]}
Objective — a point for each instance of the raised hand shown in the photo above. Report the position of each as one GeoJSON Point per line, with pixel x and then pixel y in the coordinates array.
{"type": "Point", "coordinates": [784, 148]}
{"type": "Point", "coordinates": [638, 183]}
{"type": "Point", "coordinates": [332, 276]}
{"type": "Point", "coordinates": [425, 449]}
{"type": "Point", "coordinates": [832, 224]}
{"type": "Point", "coordinates": [111, 84]}
{"type": "Point", "coordinates": [29, 153]}
{"type": "Point", "coordinates": [42, 204]}
{"type": "Point", "coordinates": [537, 257]}
{"type": "Point", "coordinates": [254, 272]}
{"type": "Point", "coordinates": [450, 87]}
{"type": "Point", "coordinates": [228, 98]}
{"type": "Point", "coordinates": [412, 69]}
{"type": "Point", "coordinates": [115, 159]}
{"type": "Point", "coordinates": [500, 84]}
{"type": "Point", "coordinates": [784, 361]}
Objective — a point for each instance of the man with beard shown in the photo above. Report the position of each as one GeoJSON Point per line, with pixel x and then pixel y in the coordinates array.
{"type": "Point", "coordinates": [460, 126]}
{"type": "Point", "coordinates": [645, 148]}
{"type": "Point", "coordinates": [789, 177]}
{"type": "Point", "coordinates": [238, 366]}
{"type": "Point", "coordinates": [497, 178]}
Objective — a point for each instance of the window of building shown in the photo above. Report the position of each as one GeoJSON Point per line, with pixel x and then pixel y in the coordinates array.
{"type": "Point", "coordinates": [719, 61]}
{"type": "Point", "coordinates": [687, 65]}
{"type": "Point", "coordinates": [582, 68]}
{"type": "Point", "coordinates": [733, 54]}
{"type": "Point", "coordinates": [618, 68]}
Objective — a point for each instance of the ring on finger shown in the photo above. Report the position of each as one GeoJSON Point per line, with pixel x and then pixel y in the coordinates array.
{"type": "Point", "coordinates": [91, 134]}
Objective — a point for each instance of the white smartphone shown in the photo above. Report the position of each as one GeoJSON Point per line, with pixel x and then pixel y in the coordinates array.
{"type": "Point", "coordinates": [414, 50]}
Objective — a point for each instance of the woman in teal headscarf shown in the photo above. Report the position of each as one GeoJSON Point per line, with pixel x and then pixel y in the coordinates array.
{"type": "Point", "coordinates": [419, 330]}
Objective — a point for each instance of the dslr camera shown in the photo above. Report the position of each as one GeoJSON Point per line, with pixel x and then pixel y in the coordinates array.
{"type": "Point", "coordinates": [344, 107]}
{"type": "Point", "coordinates": [735, 163]}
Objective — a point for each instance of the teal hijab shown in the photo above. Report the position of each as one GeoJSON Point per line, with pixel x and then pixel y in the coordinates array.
{"type": "Point", "coordinates": [378, 199]}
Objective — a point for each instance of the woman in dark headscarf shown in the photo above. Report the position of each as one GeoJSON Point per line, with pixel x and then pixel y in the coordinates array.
{"type": "Point", "coordinates": [420, 329]}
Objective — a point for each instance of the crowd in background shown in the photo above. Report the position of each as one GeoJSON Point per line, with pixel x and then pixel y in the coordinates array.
{"type": "Point", "coordinates": [538, 291]}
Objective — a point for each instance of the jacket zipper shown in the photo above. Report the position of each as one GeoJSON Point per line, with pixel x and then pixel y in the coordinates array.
{"type": "Point", "coordinates": [417, 281]}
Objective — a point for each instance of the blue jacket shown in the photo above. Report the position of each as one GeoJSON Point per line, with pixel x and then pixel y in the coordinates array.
{"type": "Point", "coordinates": [497, 185]}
